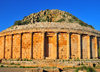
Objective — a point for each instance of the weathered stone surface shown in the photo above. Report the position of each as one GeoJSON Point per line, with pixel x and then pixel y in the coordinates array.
{"type": "Point", "coordinates": [93, 48]}
{"type": "Point", "coordinates": [49, 41]}
{"type": "Point", "coordinates": [16, 46]}
{"type": "Point", "coordinates": [21, 70]}
{"type": "Point", "coordinates": [51, 46]}
{"type": "Point", "coordinates": [62, 46]}
{"type": "Point", "coordinates": [37, 46]}
{"type": "Point", "coordinates": [89, 46]}
{"type": "Point", "coordinates": [74, 46]}
{"type": "Point", "coordinates": [70, 27]}
{"type": "Point", "coordinates": [1, 47]}
{"type": "Point", "coordinates": [26, 46]}
{"type": "Point", "coordinates": [84, 47]}
{"type": "Point", "coordinates": [37, 70]}
{"type": "Point", "coordinates": [8, 47]}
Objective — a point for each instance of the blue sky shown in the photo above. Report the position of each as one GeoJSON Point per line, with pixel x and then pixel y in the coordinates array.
{"type": "Point", "coordinates": [12, 10]}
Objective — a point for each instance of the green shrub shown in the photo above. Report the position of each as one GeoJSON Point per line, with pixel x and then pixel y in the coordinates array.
{"type": "Point", "coordinates": [25, 22]}
{"type": "Point", "coordinates": [43, 20]}
{"type": "Point", "coordinates": [12, 63]}
{"type": "Point", "coordinates": [11, 27]}
{"type": "Point", "coordinates": [2, 66]}
{"type": "Point", "coordinates": [70, 20]}
{"type": "Point", "coordinates": [49, 19]}
{"type": "Point", "coordinates": [81, 23]}
{"type": "Point", "coordinates": [85, 24]}
{"type": "Point", "coordinates": [49, 67]}
{"type": "Point", "coordinates": [63, 15]}
{"type": "Point", "coordinates": [25, 59]}
{"type": "Point", "coordinates": [61, 20]}
{"type": "Point", "coordinates": [29, 60]}
{"type": "Point", "coordinates": [38, 19]}
{"type": "Point", "coordinates": [68, 13]}
{"type": "Point", "coordinates": [18, 22]}
{"type": "Point", "coordinates": [27, 67]}
{"type": "Point", "coordinates": [19, 59]}
{"type": "Point", "coordinates": [91, 26]}
{"type": "Point", "coordinates": [88, 69]}
{"type": "Point", "coordinates": [75, 18]}
{"type": "Point", "coordinates": [77, 59]}
{"type": "Point", "coordinates": [22, 66]}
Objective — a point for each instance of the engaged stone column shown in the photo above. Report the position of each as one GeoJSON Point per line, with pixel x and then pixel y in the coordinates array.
{"type": "Point", "coordinates": [4, 46]}
{"type": "Point", "coordinates": [88, 39]}
{"type": "Point", "coordinates": [12, 46]}
{"type": "Point", "coordinates": [79, 45]}
{"type": "Point", "coordinates": [96, 47]}
{"type": "Point", "coordinates": [68, 46]}
{"type": "Point", "coordinates": [43, 45]}
{"type": "Point", "coordinates": [31, 45]}
{"type": "Point", "coordinates": [56, 45]}
{"type": "Point", "coordinates": [21, 45]}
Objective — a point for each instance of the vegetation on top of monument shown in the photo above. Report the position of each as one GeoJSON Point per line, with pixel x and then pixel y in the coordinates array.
{"type": "Point", "coordinates": [61, 20]}
{"type": "Point", "coordinates": [19, 22]}
{"type": "Point", "coordinates": [51, 16]}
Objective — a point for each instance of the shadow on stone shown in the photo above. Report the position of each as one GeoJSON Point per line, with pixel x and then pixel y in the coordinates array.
{"type": "Point", "coordinates": [94, 65]}
{"type": "Point", "coordinates": [0, 60]}
{"type": "Point", "coordinates": [45, 71]}
{"type": "Point", "coordinates": [60, 70]}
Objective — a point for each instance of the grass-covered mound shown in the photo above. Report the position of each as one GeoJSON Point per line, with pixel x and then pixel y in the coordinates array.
{"type": "Point", "coordinates": [51, 16]}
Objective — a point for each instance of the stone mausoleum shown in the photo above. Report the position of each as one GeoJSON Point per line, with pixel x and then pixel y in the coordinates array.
{"type": "Point", "coordinates": [49, 40]}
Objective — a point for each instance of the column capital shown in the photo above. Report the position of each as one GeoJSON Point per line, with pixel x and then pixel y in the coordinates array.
{"type": "Point", "coordinates": [20, 33]}
{"type": "Point", "coordinates": [4, 35]}
{"type": "Point", "coordinates": [56, 33]}
{"type": "Point", "coordinates": [68, 32]}
{"type": "Point", "coordinates": [44, 32]}
{"type": "Point", "coordinates": [96, 36]}
{"type": "Point", "coordinates": [31, 32]}
{"type": "Point", "coordinates": [80, 33]}
{"type": "Point", "coordinates": [12, 34]}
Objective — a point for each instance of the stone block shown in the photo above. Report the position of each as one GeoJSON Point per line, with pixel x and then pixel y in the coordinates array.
{"type": "Point", "coordinates": [1, 47]}
{"type": "Point", "coordinates": [16, 46]}
{"type": "Point", "coordinates": [26, 46]}
{"type": "Point", "coordinates": [8, 47]}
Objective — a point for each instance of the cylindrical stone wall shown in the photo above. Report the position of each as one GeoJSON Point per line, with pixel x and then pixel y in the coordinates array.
{"type": "Point", "coordinates": [49, 45]}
